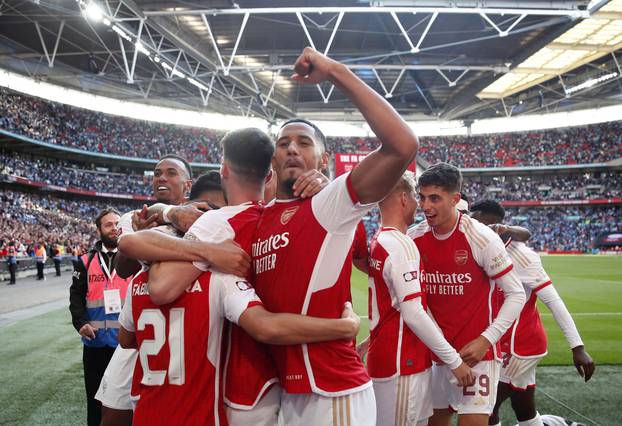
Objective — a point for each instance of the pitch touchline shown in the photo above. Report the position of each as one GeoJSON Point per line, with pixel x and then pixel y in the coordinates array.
{"type": "Point", "coordinates": [578, 314]}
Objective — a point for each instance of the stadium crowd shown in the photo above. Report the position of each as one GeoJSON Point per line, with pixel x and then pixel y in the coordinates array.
{"type": "Point", "coordinates": [545, 187]}
{"type": "Point", "coordinates": [74, 127]}
{"type": "Point", "coordinates": [75, 175]}
{"type": "Point", "coordinates": [565, 228]}
{"type": "Point", "coordinates": [509, 188]}
{"type": "Point", "coordinates": [61, 124]}
{"type": "Point", "coordinates": [29, 219]}
{"type": "Point", "coordinates": [32, 218]}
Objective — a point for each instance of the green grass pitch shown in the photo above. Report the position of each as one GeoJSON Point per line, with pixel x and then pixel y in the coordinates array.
{"type": "Point", "coordinates": [41, 358]}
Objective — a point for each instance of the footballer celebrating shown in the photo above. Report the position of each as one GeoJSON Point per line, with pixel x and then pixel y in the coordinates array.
{"type": "Point", "coordinates": [302, 248]}
{"type": "Point", "coordinates": [462, 259]}
{"type": "Point", "coordinates": [401, 331]}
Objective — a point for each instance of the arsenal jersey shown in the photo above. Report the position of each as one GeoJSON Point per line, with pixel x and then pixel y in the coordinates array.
{"type": "Point", "coordinates": [178, 377]}
{"type": "Point", "coordinates": [458, 270]}
{"type": "Point", "coordinates": [394, 268]}
{"type": "Point", "coordinates": [302, 263]}
{"type": "Point", "coordinates": [249, 369]}
{"type": "Point", "coordinates": [527, 337]}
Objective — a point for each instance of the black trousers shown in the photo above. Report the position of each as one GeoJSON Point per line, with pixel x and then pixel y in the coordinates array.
{"type": "Point", "coordinates": [57, 266]}
{"type": "Point", "coordinates": [39, 270]}
{"type": "Point", "coordinates": [12, 269]}
{"type": "Point", "coordinates": [95, 361]}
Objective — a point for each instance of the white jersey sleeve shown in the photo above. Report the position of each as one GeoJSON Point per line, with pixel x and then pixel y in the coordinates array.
{"type": "Point", "coordinates": [489, 252]}
{"type": "Point", "coordinates": [428, 331]}
{"type": "Point", "coordinates": [401, 272]}
{"type": "Point", "coordinates": [126, 317]}
{"type": "Point", "coordinates": [401, 267]}
{"type": "Point", "coordinates": [533, 276]}
{"type": "Point", "coordinates": [488, 249]}
{"type": "Point", "coordinates": [125, 223]}
{"type": "Point", "coordinates": [562, 317]}
{"type": "Point", "coordinates": [211, 227]}
{"type": "Point", "coordinates": [337, 207]}
{"type": "Point", "coordinates": [236, 295]}
{"type": "Point", "coordinates": [528, 266]}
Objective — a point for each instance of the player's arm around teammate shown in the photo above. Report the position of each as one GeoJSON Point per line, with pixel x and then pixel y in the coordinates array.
{"type": "Point", "coordinates": [284, 329]}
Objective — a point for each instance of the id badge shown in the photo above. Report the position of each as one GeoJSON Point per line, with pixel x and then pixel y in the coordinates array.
{"type": "Point", "coordinates": [112, 301]}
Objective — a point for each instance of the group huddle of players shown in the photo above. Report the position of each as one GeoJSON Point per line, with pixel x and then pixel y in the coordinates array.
{"type": "Point", "coordinates": [241, 315]}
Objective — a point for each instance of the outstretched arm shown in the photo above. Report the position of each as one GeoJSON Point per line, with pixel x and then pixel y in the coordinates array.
{"type": "Point", "coordinates": [292, 329]}
{"type": "Point", "coordinates": [376, 175]}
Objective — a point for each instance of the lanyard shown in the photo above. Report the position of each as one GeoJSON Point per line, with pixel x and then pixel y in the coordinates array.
{"type": "Point", "coordinates": [104, 266]}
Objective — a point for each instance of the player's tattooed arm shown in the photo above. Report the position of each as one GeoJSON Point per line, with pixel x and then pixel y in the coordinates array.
{"type": "Point", "coordinates": [291, 329]}
{"type": "Point", "coordinates": [376, 175]}
{"type": "Point", "coordinates": [180, 217]}
{"type": "Point", "coordinates": [127, 339]}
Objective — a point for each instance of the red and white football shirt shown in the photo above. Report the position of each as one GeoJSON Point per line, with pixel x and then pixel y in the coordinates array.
{"type": "Point", "coordinates": [178, 375]}
{"type": "Point", "coordinates": [527, 337]}
{"type": "Point", "coordinates": [249, 369]}
{"type": "Point", "coordinates": [458, 270]}
{"type": "Point", "coordinates": [394, 267]}
{"type": "Point", "coordinates": [302, 262]}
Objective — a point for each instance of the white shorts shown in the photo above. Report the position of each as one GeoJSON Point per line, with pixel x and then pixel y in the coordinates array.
{"type": "Point", "coordinates": [310, 409]}
{"type": "Point", "coordinates": [404, 399]}
{"type": "Point", "coordinates": [116, 385]}
{"type": "Point", "coordinates": [265, 413]}
{"type": "Point", "coordinates": [477, 399]}
{"type": "Point", "coordinates": [519, 373]}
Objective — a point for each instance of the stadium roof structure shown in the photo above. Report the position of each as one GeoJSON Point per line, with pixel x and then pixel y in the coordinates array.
{"type": "Point", "coordinates": [449, 59]}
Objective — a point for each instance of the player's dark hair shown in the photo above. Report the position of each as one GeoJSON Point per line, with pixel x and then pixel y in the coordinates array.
{"type": "Point", "coordinates": [104, 212]}
{"type": "Point", "coordinates": [489, 207]}
{"type": "Point", "coordinates": [209, 181]}
{"type": "Point", "coordinates": [319, 135]}
{"type": "Point", "coordinates": [464, 197]}
{"type": "Point", "coordinates": [442, 175]}
{"type": "Point", "coordinates": [249, 152]}
{"type": "Point", "coordinates": [178, 158]}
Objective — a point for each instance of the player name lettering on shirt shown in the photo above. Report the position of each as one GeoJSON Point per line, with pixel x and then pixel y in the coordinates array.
{"type": "Point", "coordinates": [262, 250]}
{"type": "Point", "coordinates": [375, 264]}
{"type": "Point", "coordinates": [140, 289]}
{"type": "Point", "coordinates": [196, 287]}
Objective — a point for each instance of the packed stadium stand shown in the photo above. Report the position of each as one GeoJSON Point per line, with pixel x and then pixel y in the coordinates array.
{"type": "Point", "coordinates": [566, 209]}
{"type": "Point", "coordinates": [96, 132]}
{"type": "Point", "coordinates": [30, 218]}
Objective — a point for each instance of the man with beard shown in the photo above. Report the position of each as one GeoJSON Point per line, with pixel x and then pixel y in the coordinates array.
{"type": "Point", "coordinates": [95, 298]}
